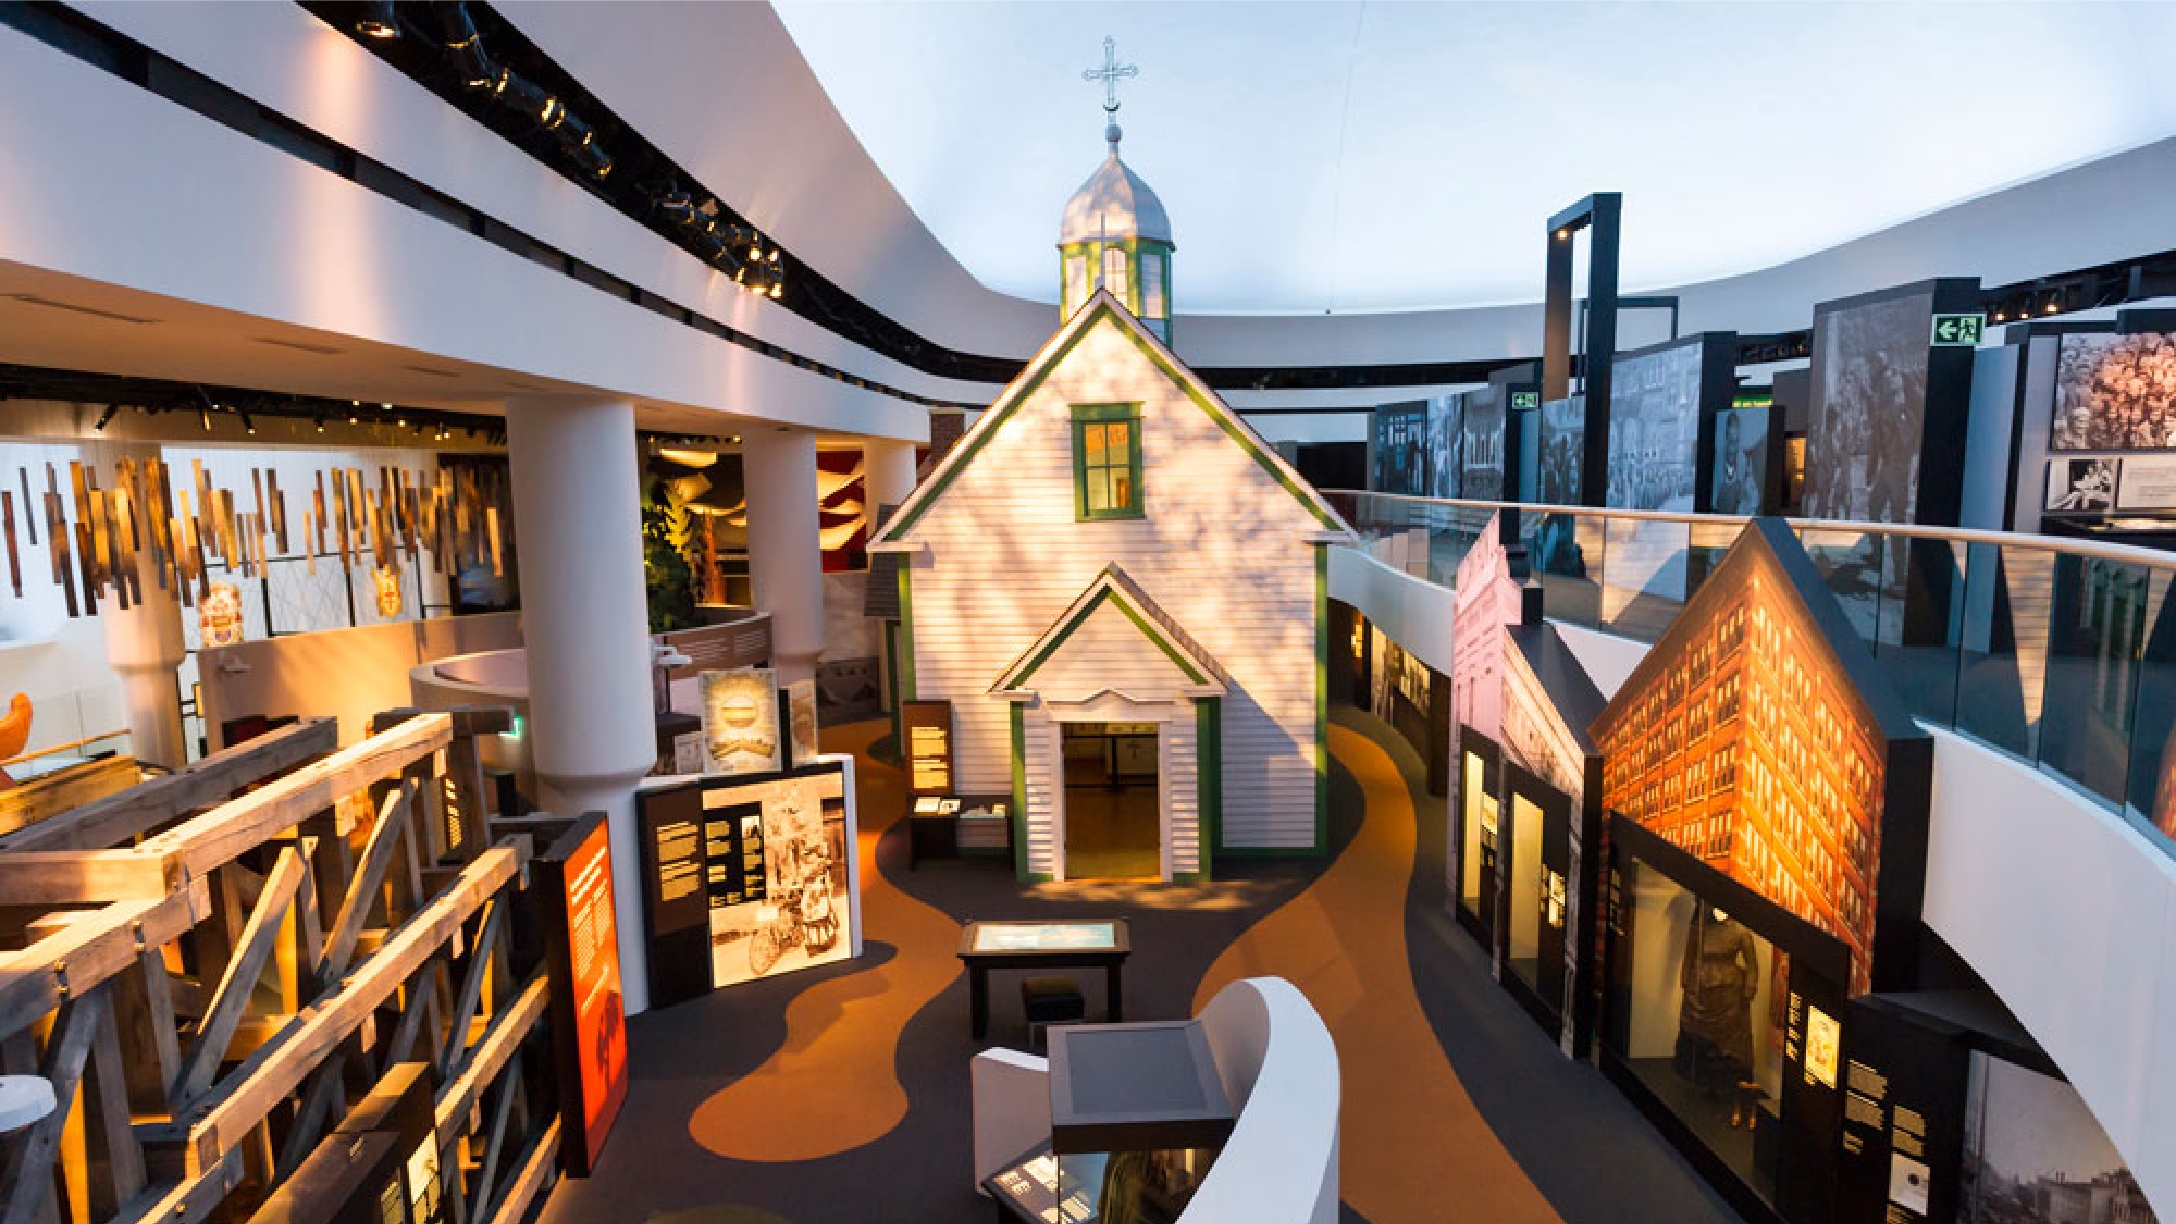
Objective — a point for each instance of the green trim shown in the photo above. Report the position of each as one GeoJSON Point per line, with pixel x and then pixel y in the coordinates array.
{"type": "Point", "coordinates": [1039, 371]}
{"type": "Point", "coordinates": [1189, 877]}
{"type": "Point", "coordinates": [1020, 792]}
{"type": "Point", "coordinates": [891, 674]}
{"type": "Point", "coordinates": [1209, 777]}
{"type": "Point", "coordinates": [1322, 696]}
{"type": "Point", "coordinates": [1148, 627]}
{"type": "Point", "coordinates": [1039, 877]}
{"type": "Point", "coordinates": [905, 689]}
{"type": "Point", "coordinates": [1085, 415]}
{"type": "Point", "coordinates": [1130, 293]}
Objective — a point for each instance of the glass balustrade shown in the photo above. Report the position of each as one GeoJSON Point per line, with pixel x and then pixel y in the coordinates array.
{"type": "Point", "coordinates": [2061, 654]}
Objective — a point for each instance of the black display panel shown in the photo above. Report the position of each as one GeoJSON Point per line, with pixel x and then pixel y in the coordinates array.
{"type": "Point", "coordinates": [1400, 444]}
{"type": "Point", "coordinates": [1482, 445]}
{"type": "Point", "coordinates": [1563, 448]}
{"type": "Point", "coordinates": [1746, 476]}
{"type": "Point", "coordinates": [1662, 403]}
{"type": "Point", "coordinates": [1445, 446]}
{"type": "Point", "coordinates": [1884, 438]}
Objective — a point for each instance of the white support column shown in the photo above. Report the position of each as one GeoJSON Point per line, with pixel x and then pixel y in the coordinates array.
{"type": "Point", "coordinates": [889, 472]}
{"type": "Point", "coordinates": [785, 545]}
{"type": "Point", "coordinates": [144, 645]}
{"type": "Point", "coordinates": [578, 540]}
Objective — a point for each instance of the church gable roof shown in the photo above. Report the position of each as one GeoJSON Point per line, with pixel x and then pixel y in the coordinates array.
{"type": "Point", "coordinates": [1113, 613]}
{"type": "Point", "coordinates": [1103, 308]}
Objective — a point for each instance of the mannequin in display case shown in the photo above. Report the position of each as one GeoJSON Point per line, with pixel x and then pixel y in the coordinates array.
{"type": "Point", "coordinates": [1719, 976]}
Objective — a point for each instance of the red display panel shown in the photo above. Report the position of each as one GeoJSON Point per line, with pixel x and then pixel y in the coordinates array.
{"type": "Point", "coordinates": [589, 1020]}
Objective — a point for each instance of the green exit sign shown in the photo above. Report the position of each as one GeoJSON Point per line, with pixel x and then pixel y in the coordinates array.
{"type": "Point", "coordinates": [1959, 329]}
{"type": "Point", "coordinates": [1526, 399]}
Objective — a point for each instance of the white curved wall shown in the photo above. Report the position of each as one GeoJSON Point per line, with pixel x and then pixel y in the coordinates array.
{"type": "Point", "coordinates": [114, 184]}
{"type": "Point", "coordinates": [1280, 1072]}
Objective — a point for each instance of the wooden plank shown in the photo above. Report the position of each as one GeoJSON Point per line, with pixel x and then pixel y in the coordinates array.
{"type": "Point", "coordinates": [54, 795]}
{"type": "Point", "coordinates": [472, 986]}
{"type": "Point", "coordinates": [205, 841]}
{"type": "Point", "coordinates": [487, 1166]}
{"type": "Point", "coordinates": [84, 877]}
{"type": "Point", "coordinates": [132, 812]}
{"type": "Point", "coordinates": [28, 1175]}
{"type": "Point", "coordinates": [536, 1173]}
{"type": "Point", "coordinates": [508, 1030]}
{"type": "Point", "coordinates": [116, 1159]}
{"type": "Point", "coordinates": [201, 1064]}
{"type": "Point", "coordinates": [190, 1202]}
{"type": "Point", "coordinates": [355, 907]}
{"type": "Point", "coordinates": [225, 1118]}
{"type": "Point", "coordinates": [88, 951]}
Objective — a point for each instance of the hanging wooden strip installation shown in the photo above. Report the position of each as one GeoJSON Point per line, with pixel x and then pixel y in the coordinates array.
{"type": "Point", "coordinates": [7, 524]}
{"type": "Point", "coordinates": [317, 504]}
{"type": "Point", "coordinates": [356, 522]}
{"type": "Point", "coordinates": [279, 510]}
{"type": "Point", "coordinates": [309, 554]}
{"type": "Point", "coordinates": [491, 524]}
{"type": "Point", "coordinates": [30, 516]}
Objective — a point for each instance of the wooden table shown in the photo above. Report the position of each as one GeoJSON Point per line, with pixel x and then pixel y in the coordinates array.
{"type": "Point", "coordinates": [1080, 942]}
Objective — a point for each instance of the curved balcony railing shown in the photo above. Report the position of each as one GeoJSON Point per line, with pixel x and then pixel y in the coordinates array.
{"type": "Point", "coordinates": [2061, 653]}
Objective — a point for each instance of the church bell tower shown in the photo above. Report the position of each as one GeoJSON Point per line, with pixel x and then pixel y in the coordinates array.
{"type": "Point", "coordinates": [1115, 234]}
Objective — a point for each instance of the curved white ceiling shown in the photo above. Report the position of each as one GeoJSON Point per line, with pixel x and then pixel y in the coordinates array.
{"type": "Point", "coordinates": [1354, 157]}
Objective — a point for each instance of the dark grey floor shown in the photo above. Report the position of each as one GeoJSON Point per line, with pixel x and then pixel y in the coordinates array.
{"type": "Point", "coordinates": [1587, 1149]}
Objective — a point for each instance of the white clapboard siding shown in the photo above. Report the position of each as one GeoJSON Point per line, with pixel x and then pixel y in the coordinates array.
{"type": "Point", "coordinates": [1224, 549]}
{"type": "Point", "coordinates": [1107, 652]}
{"type": "Point", "coordinates": [1046, 790]}
{"type": "Point", "coordinates": [1179, 747]}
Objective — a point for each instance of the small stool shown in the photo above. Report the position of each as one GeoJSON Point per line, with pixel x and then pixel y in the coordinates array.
{"type": "Point", "coordinates": [1048, 1001]}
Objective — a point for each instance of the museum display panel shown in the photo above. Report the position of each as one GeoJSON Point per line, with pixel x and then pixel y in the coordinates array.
{"type": "Point", "coordinates": [1563, 450]}
{"type": "Point", "coordinates": [1446, 443]}
{"type": "Point", "coordinates": [1746, 476]}
{"type": "Point", "coordinates": [1477, 836]}
{"type": "Point", "coordinates": [1400, 442]}
{"type": "Point", "coordinates": [1483, 448]}
{"type": "Point", "coordinates": [747, 876]}
{"type": "Point", "coordinates": [589, 1017]}
{"type": "Point", "coordinates": [1662, 406]}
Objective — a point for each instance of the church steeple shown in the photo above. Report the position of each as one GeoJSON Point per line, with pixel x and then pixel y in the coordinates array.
{"type": "Point", "coordinates": [1115, 234]}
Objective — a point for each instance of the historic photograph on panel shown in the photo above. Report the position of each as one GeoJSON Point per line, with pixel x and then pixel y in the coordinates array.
{"type": "Point", "coordinates": [1741, 460]}
{"type": "Point", "coordinates": [1443, 446]}
{"type": "Point", "coordinates": [2083, 486]}
{"type": "Point", "coordinates": [1563, 448]}
{"type": "Point", "coordinates": [1401, 455]}
{"type": "Point", "coordinates": [1654, 429]}
{"type": "Point", "coordinates": [2115, 392]}
{"type": "Point", "coordinates": [793, 910]}
{"type": "Point", "coordinates": [1869, 410]}
{"type": "Point", "coordinates": [1482, 428]}
{"type": "Point", "coordinates": [2033, 1154]}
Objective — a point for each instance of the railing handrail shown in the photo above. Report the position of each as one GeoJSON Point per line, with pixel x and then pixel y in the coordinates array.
{"type": "Point", "coordinates": [2128, 554]}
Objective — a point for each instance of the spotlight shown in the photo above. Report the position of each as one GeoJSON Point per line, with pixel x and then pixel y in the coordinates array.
{"type": "Point", "coordinates": [377, 20]}
{"type": "Point", "coordinates": [249, 426]}
{"type": "Point", "coordinates": [107, 416]}
{"type": "Point", "coordinates": [1998, 316]}
{"type": "Point", "coordinates": [523, 95]}
{"type": "Point", "coordinates": [677, 207]}
{"type": "Point", "coordinates": [204, 418]}
{"type": "Point", "coordinates": [2053, 307]}
{"type": "Point", "coordinates": [319, 421]}
{"type": "Point", "coordinates": [469, 58]}
{"type": "Point", "coordinates": [1563, 234]}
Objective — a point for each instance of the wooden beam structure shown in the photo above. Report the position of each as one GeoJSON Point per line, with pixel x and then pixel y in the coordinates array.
{"type": "Point", "coordinates": [234, 955]}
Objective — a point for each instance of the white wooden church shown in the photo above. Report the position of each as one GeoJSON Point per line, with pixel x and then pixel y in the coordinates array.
{"type": "Point", "coordinates": [1121, 588]}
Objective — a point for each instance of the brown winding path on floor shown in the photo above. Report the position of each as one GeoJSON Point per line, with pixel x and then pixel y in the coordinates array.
{"type": "Point", "coordinates": [1415, 1150]}
{"type": "Point", "coordinates": [834, 1084]}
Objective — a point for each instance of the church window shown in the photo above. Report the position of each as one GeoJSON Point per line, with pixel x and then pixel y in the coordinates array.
{"type": "Point", "coordinates": [1107, 460]}
{"type": "Point", "coordinates": [1076, 283]}
{"type": "Point", "coordinates": [1152, 285]}
{"type": "Point", "coordinates": [1114, 271]}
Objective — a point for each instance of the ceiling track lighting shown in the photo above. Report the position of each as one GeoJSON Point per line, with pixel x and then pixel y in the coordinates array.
{"type": "Point", "coordinates": [377, 20]}
{"type": "Point", "coordinates": [470, 60]}
{"type": "Point", "coordinates": [106, 418]}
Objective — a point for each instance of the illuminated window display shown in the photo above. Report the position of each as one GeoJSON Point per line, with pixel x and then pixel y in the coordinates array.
{"type": "Point", "coordinates": [1725, 1015]}
{"type": "Point", "coordinates": [1477, 832]}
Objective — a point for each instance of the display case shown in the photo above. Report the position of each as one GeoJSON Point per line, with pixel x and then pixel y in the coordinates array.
{"type": "Point", "coordinates": [1138, 1115]}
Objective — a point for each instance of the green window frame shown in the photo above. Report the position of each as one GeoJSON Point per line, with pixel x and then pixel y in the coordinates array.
{"type": "Point", "coordinates": [1107, 462]}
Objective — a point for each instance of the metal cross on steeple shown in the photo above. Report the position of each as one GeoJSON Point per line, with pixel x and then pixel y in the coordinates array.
{"type": "Point", "coordinates": [1111, 73]}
